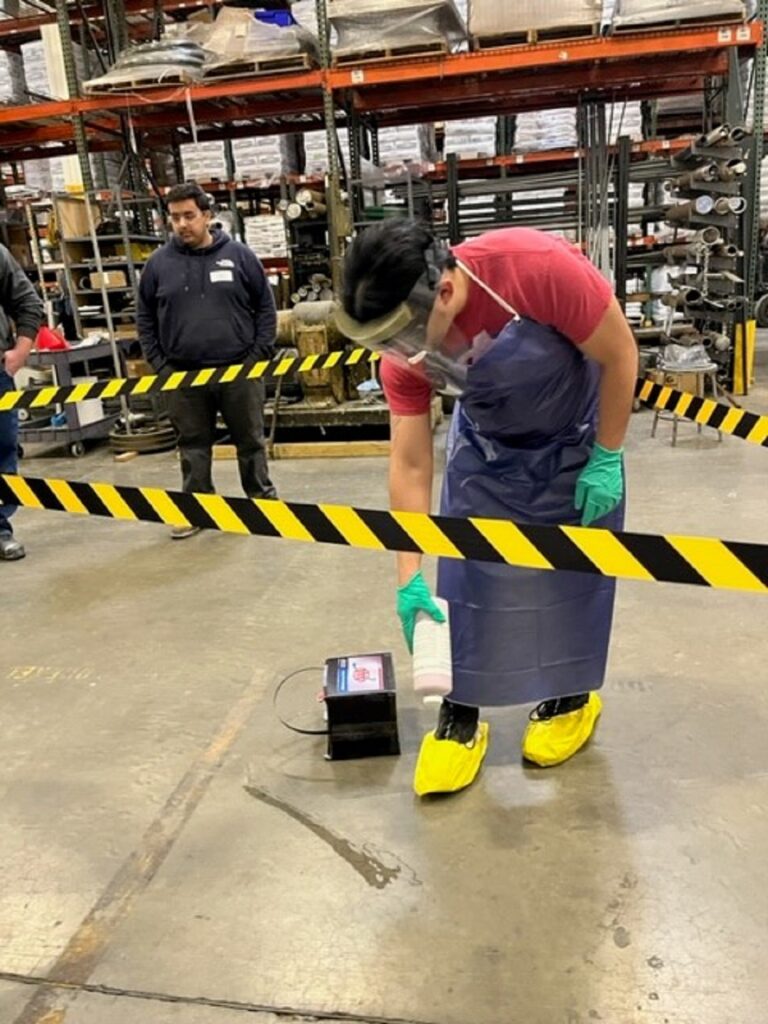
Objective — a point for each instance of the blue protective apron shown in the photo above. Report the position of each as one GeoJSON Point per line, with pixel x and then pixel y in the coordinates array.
{"type": "Point", "coordinates": [520, 435]}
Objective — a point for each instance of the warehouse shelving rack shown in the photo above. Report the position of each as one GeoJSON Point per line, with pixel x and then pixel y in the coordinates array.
{"type": "Point", "coordinates": [367, 96]}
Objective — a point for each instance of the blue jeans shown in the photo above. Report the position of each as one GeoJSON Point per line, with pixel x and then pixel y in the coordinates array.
{"type": "Point", "coordinates": [9, 441]}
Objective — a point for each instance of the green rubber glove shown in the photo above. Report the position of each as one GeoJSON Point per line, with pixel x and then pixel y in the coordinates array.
{"type": "Point", "coordinates": [600, 486]}
{"type": "Point", "coordinates": [413, 597]}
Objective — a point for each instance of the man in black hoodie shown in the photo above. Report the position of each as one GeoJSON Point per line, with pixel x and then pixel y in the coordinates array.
{"type": "Point", "coordinates": [204, 301]}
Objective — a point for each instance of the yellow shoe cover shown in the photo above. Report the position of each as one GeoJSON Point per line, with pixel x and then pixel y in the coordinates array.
{"type": "Point", "coordinates": [554, 740]}
{"type": "Point", "coordinates": [445, 766]}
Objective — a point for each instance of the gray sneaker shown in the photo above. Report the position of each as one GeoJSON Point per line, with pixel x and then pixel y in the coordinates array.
{"type": "Point", "coordinates": [10, 549]}
{"type": "Point", "coordinates": [182, 532]}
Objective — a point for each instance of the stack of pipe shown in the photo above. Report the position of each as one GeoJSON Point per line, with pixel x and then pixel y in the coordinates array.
{"type": "Point", "coordinates": [318, 289]}
{"type": "Point", "coordinates": [307, 205]}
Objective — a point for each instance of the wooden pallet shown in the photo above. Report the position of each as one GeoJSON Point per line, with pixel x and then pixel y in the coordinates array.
{"type": "Point", "coordinates": [678, 23]}
{"type": "Point", "coordinates": [294, 62]}
{"type": "Point", "coordinates": [376, 54]}
{"type": "Point", "coordinates": [313, 450]}
{"type": "Point", "coordinates": [138, 83]}
{"type": "Point", "coordinates": [531, 36]}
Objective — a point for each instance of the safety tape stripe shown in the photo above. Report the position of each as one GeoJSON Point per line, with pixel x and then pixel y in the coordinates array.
{"type": "Point", "coordinates": [700, 561]}
{"type": "Point", "coordinates": [69, 500]}
{"type": "Point", "coordinates": [352, 527]}
{"type": "Point", "coordinates": [278, 367]}
{"type": "Point", "coordinates": [46, 396]}
{"type": "Point", "coordinates": [607, 553]}
{"type": "Point", "coordinates": [174, 381]}
{"type": "Point", "coordinates": [221, 512]}
{"type": "Point", "coordinates": [511, 544]}
{"type": "Point", "coordinates": [427, 534]}
{"type": "Point", "coordinates": [736, 422]}
{"type": "Point", "coordinates": [759, 432]}
{"type": "Point", "coordinates": [719, 566]}
{"type": "Point", "coordinates": [258, 370]}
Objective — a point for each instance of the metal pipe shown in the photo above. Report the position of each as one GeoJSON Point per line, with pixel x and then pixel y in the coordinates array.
{"type": "Point", "coordinates": [682, 297]}
{"type": "Point", "coordinates": [701, 205]}
{"type": "Point", "coordinates": [716, 137]}
{"type": "Point", "coordinates": [305, 196]}
{"type": "Point", "coordinates": [691, 252]}
{"type": "Point", "coordinates": [709, 235]}
{"type": "Point", "coordinates": [737, 204]}
{"type": "Point", "coordinates": [737, 134]}
{"type": "Point", "coordinates": [707, 172]}
{"type": "Point", "coordinates": [720, 342]}
{"type": "Point", "coordinates": [728, 170]}
{"type": "Point", "coordinates": [726, 250]}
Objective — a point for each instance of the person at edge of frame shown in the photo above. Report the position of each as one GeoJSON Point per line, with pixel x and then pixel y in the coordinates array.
{"type": "Point", "coordinates": [205, 301]}
{"type": "Point", "coordinates": [20, 303]}
{"type": "Point", "coordinates": [529, 336]}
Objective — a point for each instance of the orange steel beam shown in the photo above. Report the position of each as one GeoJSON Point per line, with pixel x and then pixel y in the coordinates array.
{"type": "Point", "coordinates": [525, 161]}
{"type": "Point", "coordinates": [531, 88]}
{"type": "Point", "coordinates": [268, 84]}
{"type": "Point", "coordinates": [650, 45]}
{"type": "Point", "coordinates": [516, 102]}
{"type": "Point", "coordinates": [207, 113]}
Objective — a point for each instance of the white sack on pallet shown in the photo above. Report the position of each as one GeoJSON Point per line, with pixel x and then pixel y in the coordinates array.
{"type": "Point", "coordinates": [265, 235]}
{"type": "Point", "coordinates": [13, 85]}
{"type": "Point", "coordinates": [476, 138]}
{"type": "Point", "coordinates": [624, 119]}
{"type": "Point", "coordinates": [258, 157]}
{"type": "Point", "coordinates": [497, 17]}
{"type": "Point", "coordinates": [316, 150]}
{"type": "Point", "coordinates": [204, 161]}
{"type": "Point", "coordinates": [764, 186]}
{"type": "Point", "coordinates": [37, 174]}
{"type": "Point", "coordinates": [546, 129]}
{"type": "Point", "coordinates": [400, 145]}
{"type": "Point", "coordinates": [36, 69]}
{"type": "Point", "coordinates": [362, 25]}
{"type": "Point", "coordinates": [648, 12]}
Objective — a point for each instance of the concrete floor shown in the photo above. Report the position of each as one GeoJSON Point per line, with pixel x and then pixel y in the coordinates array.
{"type": "Point", "coordinates": [170, 854]}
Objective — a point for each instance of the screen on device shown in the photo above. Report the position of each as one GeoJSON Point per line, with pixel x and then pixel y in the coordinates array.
{"type": "Point", "coordinates": [360, 673]}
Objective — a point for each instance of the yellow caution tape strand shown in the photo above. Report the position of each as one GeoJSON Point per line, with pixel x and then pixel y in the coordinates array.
{"type": "Point", "coordinates": [749, 426]}
{"type": "Point", "coordinates": [125, 387]}
{"type": "Point", "coordinates": [699, 561]}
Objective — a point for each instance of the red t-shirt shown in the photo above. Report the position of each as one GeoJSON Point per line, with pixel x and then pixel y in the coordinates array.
{"type": "Point", "coordinates": [543, 277]}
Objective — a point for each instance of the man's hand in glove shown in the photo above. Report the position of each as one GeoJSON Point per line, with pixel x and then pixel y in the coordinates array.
{"type": "Point", "coordinates": [600, 486]}
{"type": "Point", "coordinates": [414, 597]}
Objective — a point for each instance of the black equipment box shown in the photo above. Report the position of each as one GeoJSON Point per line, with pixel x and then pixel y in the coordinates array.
{"type": "Point", "coordinates": [361, 706]}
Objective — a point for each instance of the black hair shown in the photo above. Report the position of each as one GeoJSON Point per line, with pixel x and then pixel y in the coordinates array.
{"type": "Point", "coordinates": [383, 265]}
{"type": "Point", "coordinates": [189, 190]}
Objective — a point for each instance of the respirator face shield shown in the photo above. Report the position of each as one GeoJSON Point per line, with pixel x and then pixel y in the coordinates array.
{"type": "Point", "coordinates": [417, 335]}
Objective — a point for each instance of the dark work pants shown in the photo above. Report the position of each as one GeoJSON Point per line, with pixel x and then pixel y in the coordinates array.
{"type": "Point", "coordinates": [9, 440]}
{"type": "Point", "coordinates": [193, 414]}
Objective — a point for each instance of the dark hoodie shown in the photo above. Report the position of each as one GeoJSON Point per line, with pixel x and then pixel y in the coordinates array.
{"type": "Point", "coordinates": [205, 307]}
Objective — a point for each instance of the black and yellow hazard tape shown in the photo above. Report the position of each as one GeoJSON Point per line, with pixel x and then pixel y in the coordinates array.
{"type": "Point", "coordinates": [737, 422]}
{"type": "Point", "coordinates": [117, 387]}
{"type": "Point", "coordinates": [729, 420]}
{"type": "Point", "coordinates": [700, 561]}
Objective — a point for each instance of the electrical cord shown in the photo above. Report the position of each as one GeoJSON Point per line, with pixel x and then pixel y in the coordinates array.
{"type": "Point", "coordinates": [276, 694]}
